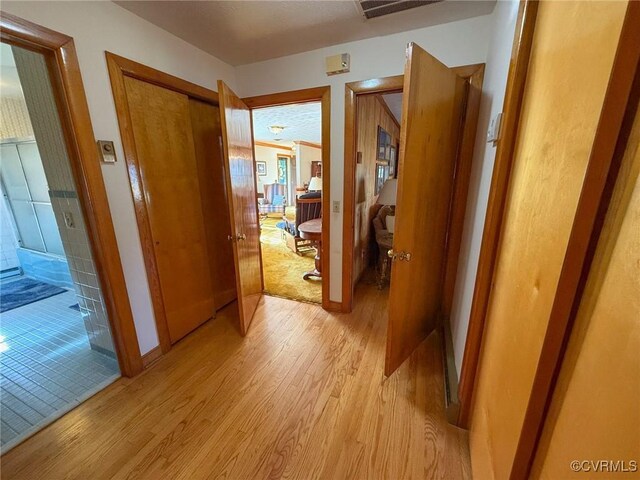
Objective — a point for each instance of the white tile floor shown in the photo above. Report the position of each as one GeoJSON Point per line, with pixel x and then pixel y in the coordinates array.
{"type": "Point", "coordinates": [46, 366]}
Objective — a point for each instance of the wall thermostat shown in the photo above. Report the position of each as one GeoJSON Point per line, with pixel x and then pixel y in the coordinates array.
{"type": "Point", "coordinates": [107, 151]}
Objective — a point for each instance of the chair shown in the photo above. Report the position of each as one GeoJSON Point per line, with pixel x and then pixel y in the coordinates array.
{"type": "Point", "coordinates": [384, 240]}
{"type": "Point", "coordinates": [266, 206]}
{"type": "Point", "coordinates": [308, 207]}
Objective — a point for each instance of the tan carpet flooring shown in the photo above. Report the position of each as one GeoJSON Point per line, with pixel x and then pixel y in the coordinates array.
{"type": "Point", "coordinates": [283, 269]}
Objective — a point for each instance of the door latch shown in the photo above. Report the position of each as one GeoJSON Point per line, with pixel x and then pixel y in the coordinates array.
{"type": "Point", "coordinates": [401, 256]}
{"type": "Point", "coordinates": [235, 238]}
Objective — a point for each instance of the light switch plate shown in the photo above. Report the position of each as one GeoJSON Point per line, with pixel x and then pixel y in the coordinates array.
{"type": "Point", "coordinates": [107, 151]}
{"type": "Point", "coordinates": [336, 206]}
{"type": "Point", "coordinates": [493, 133]}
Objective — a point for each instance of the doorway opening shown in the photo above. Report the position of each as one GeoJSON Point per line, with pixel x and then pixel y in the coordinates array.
{"type": "Point", "coordinates": [378, 120]}
{"type": "Point", "coordinates": [55, 338]}
{"type": "Point", "coordinates": [288, 158]}
{"type": "Point", "coordinates": [408, 208]}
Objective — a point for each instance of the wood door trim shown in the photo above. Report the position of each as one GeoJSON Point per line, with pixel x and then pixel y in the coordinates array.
{"type": "Point", "coordinates": [272, 145]}
{"type": "Point", "coordinates": [119, 68]}
{"type": "Point", "coordinates": [308, 144]}
{"type": "Point", "coordinates": [304, 95]}
{"type": "Point", "coordinates": [474, 75]}
{"type": "Point", "coordinates": [147, 74]}
{"type": "Point", "coordinates": [514, 94]}
{"type": "Point", "coordinates": [323, 95]}
{"type": "Point", "coordinates": [64, 70]}
{"type": "Point", "coordinates": [614, 126]}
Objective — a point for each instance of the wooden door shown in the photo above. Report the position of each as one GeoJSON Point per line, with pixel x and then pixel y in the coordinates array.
{"type": "Point", "coordinates": [237, 139]}
{"type": "Point", "coordinates": [431, 120]}
{"type": "Point", "coordinates": [207, 137]}
{"type": "Point", "coordinates": [161, 124]}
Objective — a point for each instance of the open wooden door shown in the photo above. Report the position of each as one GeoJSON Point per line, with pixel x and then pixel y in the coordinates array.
{"type": "Point", "coordinates": [431, 119]}
{"type": "Point", "coordinates": [237, 140]}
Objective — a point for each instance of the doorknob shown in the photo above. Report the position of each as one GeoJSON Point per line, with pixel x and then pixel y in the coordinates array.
{"type": "Point", "coordinates": [402, 256]}
{"type": "Point", "coordinates": [232, 238]}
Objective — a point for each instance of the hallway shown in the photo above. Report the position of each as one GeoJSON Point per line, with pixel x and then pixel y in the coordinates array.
{"type": "Point", "coordinates": [302, 396]}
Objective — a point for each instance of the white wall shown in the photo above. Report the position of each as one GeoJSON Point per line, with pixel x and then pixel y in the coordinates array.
{"type": "Point", "coordinates": [269, 155]}
{"type": "Point", "coordinates": [457, 43]}
{"type": "Point", "coordinates": [100, 26]}
{"type": "Point", "coordinates": [497, 66]}
{"type": "Point", "coordinates": [305, 155]}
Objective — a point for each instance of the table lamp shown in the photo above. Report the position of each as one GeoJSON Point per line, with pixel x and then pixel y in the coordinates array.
{"type": "Point", "coordinates": [387, 196]}
{"type": "Point", "coordinates": [315, 185]}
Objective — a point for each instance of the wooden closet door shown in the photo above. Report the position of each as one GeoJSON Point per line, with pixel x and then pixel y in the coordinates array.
{"type": "Point", "coordinates": [161, 124]}
{"type": "Point", "coordinates": [207, 137]}
{"type": "Point", "coordinates": [431, 114]}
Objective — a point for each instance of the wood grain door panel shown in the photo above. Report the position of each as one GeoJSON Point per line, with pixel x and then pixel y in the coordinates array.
{"type": "Point", "coordinates": [243, 211]}
{"type": "Point", "coordinates": [164, 143]}
{"type": "Point", "coordinates": [207, 135]}
{"type": "Point", "coordinates": [431, 119]}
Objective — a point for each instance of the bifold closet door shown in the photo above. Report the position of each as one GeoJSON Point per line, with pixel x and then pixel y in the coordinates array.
{"type": "Point", "coordinates": [166, 154]}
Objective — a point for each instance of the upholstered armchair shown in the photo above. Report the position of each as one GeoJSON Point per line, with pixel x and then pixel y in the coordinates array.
{"type": "Point", "coordinates": [384, 240]}
{"type": "Point", "coordinates": [275, 199]}
{"type": "Point", "coordinates": [308, 207]}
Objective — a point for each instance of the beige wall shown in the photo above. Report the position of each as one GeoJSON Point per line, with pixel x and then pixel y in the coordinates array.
{"type": "Point", "coordinates": [304, 156]}
{"type": "Point", "coordinates": [595, 411]}
{"type": "Point", "coordinates": [269, 155]}
{"type": "Point", "coordinates": [463, 42]}
{"type": "Point", "coordinates": [573, 48]}
{"type": "Point", "coordinates": [371, 114]}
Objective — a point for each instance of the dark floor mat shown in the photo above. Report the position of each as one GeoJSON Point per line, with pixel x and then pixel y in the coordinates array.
{"type": "Point", "coordinates": [25, 291]}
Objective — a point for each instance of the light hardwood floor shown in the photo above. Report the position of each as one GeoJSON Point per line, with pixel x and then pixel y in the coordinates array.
{"type": "Point", "coordinates": [302, 396]}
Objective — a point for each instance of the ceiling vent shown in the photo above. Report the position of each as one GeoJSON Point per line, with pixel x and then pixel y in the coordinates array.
{"type": "Point", "coordinates": [379, 8]}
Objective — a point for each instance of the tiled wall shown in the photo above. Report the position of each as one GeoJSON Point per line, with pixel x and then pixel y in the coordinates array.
{"type": "Point", "coordinates": [8, 242]}
{"type": "Point", "coordinates": [64, 199]}
{"type": "Point", "coordinates": [45, 267]}
{"type": "Point", "coordinates": [15, 119]}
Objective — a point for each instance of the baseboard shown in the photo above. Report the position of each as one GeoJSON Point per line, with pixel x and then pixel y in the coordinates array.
{"type": "Point", "coordinates": [451, 401]}
{"type": "Point", "coordinates": [331, 306]}
{"type": "Point", "coordinates": [151, 356]}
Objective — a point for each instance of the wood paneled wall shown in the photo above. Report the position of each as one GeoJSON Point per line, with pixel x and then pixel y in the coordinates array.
{"type": "Point", "coordinates": [371, 114]}
{"type": "Point", "coordinates": [572, 55]}
{"type": "Point", "coordinates": [595, 411]}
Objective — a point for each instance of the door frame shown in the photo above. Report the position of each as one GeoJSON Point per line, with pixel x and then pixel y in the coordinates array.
{"type": "Point", "coordinates": [474, 75]}
{"type": "Point", "coordinates": [496, 205]}
{"type": "Point", "coordinates": [322, 95]}
{"type": "Point", "coordinates": [119, 68]}
{"type": "Point", "coordinates": [64, 71]}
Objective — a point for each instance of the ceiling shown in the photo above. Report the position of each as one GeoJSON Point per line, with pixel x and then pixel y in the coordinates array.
{"type": "Point", "coordinates": [394, 102]}
{"type": "Point", "coordinates": [243, 31]}
{"type": "Point", "coordinates": [302, 122]}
